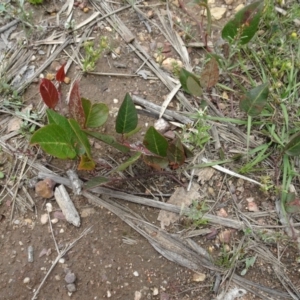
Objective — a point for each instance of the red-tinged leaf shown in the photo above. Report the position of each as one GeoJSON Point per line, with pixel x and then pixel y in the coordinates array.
{"type": "Point", "coordinates": [86, 163]}
{"type": "Point", "coordinates": [75, 105]}
{"type": "Point", "coordinates": [49, 93]}
{"type": "Point", "coordinates": [175, 153]}
{"type": "Point", "coordinates": [60, 74]}
{"type": "Point", "coordinates": [156, 162]}
{"type": "Point", "coordinates": [210, 75]}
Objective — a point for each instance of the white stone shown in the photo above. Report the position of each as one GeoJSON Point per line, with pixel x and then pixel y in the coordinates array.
{"type": "Point", "coordinates": [239, 7]}
{"type": "Point", "coordinates": [49, 207]}
{"type": "Point", "coordinates": [218, 12]}
{"type": "Point", "coordinates": [44, 219]}
{"type": "Point", "coordinates": [135, 273]}
{"type": "Point", "coordinates": [26, 280]}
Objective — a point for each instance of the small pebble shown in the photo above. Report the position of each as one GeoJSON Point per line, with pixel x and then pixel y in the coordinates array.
{"type": "Point", "coordinates": [115, 100]}
{"type": "Point", "coordinates": [54, 221]}
{"type": "Point", "coordinates": [155, 291]}
{"type": "Point", "coordinates": [71, 287]}
{"type": "Point", "coordinates": [135, 273]}
{"type": "Point", "coordinates": [62, 261]}
{"type": "Point", "coordinates": [26, 280]}
{"type": "Point", "coordinates": [17, 222]}
{"type": "Point", "coordinates": [108, 294]}
{"type": "Point", "coordinates": [49, 207]}
{"type": "Point", "coordinates": [30, 254]}
{"type": "Point", "coordinates": [61, 231]}
{"type": "Point", "coordinates": [44, 219]}
{"type": "Point", "coordinates": [70, 278]}
{"type": "Point", "coordinates": [57, 277]}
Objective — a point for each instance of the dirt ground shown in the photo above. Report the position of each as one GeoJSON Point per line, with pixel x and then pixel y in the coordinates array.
{"type": "Point", "coordinates": [113, 260]}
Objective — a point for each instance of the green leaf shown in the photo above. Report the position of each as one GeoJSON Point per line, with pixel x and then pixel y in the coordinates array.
{"type": "Point", "coordinates": [53, 141]}
{"type": "Point", "coordinates": [2, 175]}
{"type": "Point", "coordinates": [108, 139]}
{"type": "Point", "coordinates": [292, 204]}
{"type": "Point", "coordinates": [95, 181]}
{"type": "Point", "coordinates": [156, 162]}
{"type": "Point", "coordinates": [128, 162]}
{"type": "Point", "coordinates": [84, 144]}
{"type": "Point", "coordinates": [127, 118]}
{"type": "Point", "coordinates": [244, 24]}
{"type": "Point", "coordinates": [190, 83]}
{"type": "Point", "coordinates": [95, 115]}
{"type": "Point", "coordinates": [155, 142]}
{"type": "Point", "coordinates": [58, 119]}
{"type": "Point", "coordinates": [255, 100]}
{"type": "Point", "coordinates": [292, 148]}
{"type": "Point", "coordinates": [175, 153]}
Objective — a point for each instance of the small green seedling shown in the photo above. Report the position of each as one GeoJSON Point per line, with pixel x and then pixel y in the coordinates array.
{"type": "Point", "coordinates": [67, 138]}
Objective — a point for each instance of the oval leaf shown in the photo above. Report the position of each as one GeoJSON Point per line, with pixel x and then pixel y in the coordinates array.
{"type": "Point", "coordinates": [49, 93]}
{"type": "Point", "coordinates": [155, 142]}
{"type": "Point", "coordinates": [95, 115]}
{"type": "Point", "coordinates": [127, 118]}
{"type": "Point", "coordinates": [60, 74]}
{"type": "Point", "coordinates": [75, 105]}
{"type": "Point", "coordinates": [244, 24]}
{"type": "Point", "coordinates": [156, 162]}
{"type": "Point", "coordinates": [293, 146]}
{"type": "Point", "coordinates": [84, 144]}
{"type": "Point", "coordinates": [210, 75]}
{"type": "Point", "coordinates": [176, 153]}
{"type": "Point", "coordinates": [255, 100]}
{"type": "Point", "coordinates": [190, 83]}
{"type": "Point", "coordinates": [53, 141]}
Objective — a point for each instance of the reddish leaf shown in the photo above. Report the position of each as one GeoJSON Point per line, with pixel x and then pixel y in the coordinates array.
{"type": "Point", "coordinates": [60, 74]}
{"type": "Point", "coordinates": [49, 93]}
{"type": "Point", "coordinates": [210, 75]}
{"type": "Point", "coordinates": [75, 105]}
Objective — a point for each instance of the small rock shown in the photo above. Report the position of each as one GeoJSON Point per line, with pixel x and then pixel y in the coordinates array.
{"type": "Point", "coordinates": [28, 221]}
{"type": "Point", "coordinates": [239, 7]}
{"type": "Point", "coordinates": [67, 80]}
{"type": "Point", "coordinates": [57, 277]}
{"type": "Point", "coordinates": [222, 213]}
{"type": "Point", "coordinates": [86, 212]}
{"type": "Point", "coordinates": [49, 207]}
{"type": "Point", "coordinates": [118, 50]}
{"type": "Point", "coordinates": [17, 222]}
{"type": "Point", "coordinates": [108, 294]}
{"type": "Point", "coordinates": [44, 219]}
{"type": "Point", "coordinates": [54, 221]}
{"type": "Point", "coordinates": [44, 188]}
{"type": "Point", "coordinates": [71, 287]}
{"type": "Point", "coordinates": [170, 64]}
{"type": "Point", "coordinates": [26, 280]}
{"type": "Point", "coordinates": [135, 273]}
{"type": "Point", "coordinates": [62, 261]}
{"type": "Point", "coordinates": [161, 125]}
{"type": "Point", "coordinates": [217, 12]}
{"type": "Point", "coordinates": [137, 295]}
{"type": "Point", "coordinates": [228, 2]}
{"type": "Point", "coordinates": [155, 291]}
{"type": "Point", "coordinates": [70, 278]}
{"type": "Point", "coordinates": [225, 236]}
{"type": "Point", "coordinates": [199, 277]}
